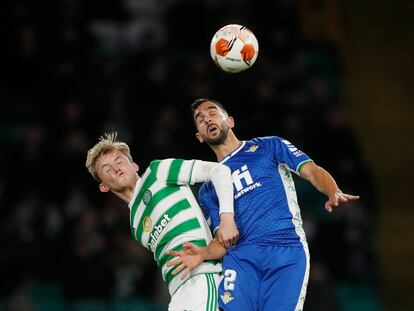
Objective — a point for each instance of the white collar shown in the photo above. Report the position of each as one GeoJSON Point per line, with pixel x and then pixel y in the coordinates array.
{"type": "Point", "coordinates": [233, 152]}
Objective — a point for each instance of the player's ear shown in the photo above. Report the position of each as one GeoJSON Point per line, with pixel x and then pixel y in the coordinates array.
{"type": "Point", "coordinates": [230, 122]}
{"type": "Point", "coordinates": [103, 187]}
{"type": "Point", "coordinates": [199, 137]}
{"type": "Point", "coordinates": [135, 166]}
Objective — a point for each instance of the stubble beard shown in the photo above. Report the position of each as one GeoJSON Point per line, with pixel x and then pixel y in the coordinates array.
{"type": "Point", "coordinates": [219, 139]}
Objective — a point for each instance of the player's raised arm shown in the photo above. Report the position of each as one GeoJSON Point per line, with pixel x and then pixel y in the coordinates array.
{"type": "Point", "coordinates": [192, 256]}
{"type": "Point", "coordinates": [220, 176]}
{"type": "Point", "coordinates": [324, 182]}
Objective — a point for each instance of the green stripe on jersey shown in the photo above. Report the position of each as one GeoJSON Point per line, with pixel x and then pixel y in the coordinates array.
{"type": "Point", "coordinates": [160, 195]}
{"type": "Point", "coordinates": [177, 231]}
{"type": "Point", "coordinates": [191, 171]}
{"type": "Point", "coordinates": [161, 262]}
{"type": "Point", "coordinates": [147, 183]}
{"type": "Point", "coordinates": [174, 171]}
{"type": "Point", "coordinates": [169, 276]}
{"type": "Point", "coordinates": [171, 212]}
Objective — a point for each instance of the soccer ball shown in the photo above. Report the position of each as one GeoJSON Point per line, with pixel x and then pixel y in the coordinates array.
{"type": "Point", "coordinates": [234, 48]}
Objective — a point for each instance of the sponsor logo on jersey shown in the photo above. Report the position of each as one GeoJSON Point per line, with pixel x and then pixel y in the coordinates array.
{"type": "Point", "coordinates": [243, 181]}
{"type": "Point", "coordinates": [156, 232]}
{"type": "Point", "coordinates": [147, 224]}
{"type": "Point", "coordinates": [146, 197]}
{"type": "Point", "coordinates": [252, 148]}
{"type": "Point", "coordinates": [296, 152]}
{"type": "Point", "coordinates": [247, 189]}
{"type": "Point", "coordinates": [226, 297]}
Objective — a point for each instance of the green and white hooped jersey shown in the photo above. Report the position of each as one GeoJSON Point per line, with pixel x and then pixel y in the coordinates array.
{"type": "Point", "coordinates": [164, 214]}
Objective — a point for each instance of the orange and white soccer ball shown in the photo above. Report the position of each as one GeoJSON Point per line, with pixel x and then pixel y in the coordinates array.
{"type": "Point", "coordinates": [234, 48]}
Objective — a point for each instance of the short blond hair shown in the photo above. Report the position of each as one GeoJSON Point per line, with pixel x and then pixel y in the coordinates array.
{"type": "Point", "coordinates": [107, 142]}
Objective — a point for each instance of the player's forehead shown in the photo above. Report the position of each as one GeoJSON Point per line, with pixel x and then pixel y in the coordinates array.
{"type": "Point", "coordinates": [205, 107]}
{"type": "Point", "coordinates": [109, 156]}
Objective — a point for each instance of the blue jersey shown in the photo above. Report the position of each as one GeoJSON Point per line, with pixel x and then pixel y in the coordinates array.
{"type": "Point", "coordinates": [265, 202]}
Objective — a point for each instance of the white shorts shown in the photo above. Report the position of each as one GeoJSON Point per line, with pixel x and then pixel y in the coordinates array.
{"type": "Point", "coordinates": [199, 293]}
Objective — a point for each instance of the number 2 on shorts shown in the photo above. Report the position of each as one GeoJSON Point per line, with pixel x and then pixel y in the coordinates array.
{"type": "Point", "coordinates": [229, 279]}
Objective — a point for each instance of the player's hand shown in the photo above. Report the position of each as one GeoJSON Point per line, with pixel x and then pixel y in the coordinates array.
{"type": "Point", "coordinates": [227, 234]}
{"type": "Point", "coordinates": [338, 198]}
{"type": "Point", "coordinates": [188, 258]}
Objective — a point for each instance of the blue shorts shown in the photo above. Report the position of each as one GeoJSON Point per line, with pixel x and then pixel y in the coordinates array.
{"type": "Point", "coordinates": [264, 278]}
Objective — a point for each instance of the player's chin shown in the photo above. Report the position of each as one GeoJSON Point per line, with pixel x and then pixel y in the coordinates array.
{"type": "Point", "coordinates": [120, 187]}
{"type": "Point", "coordinates": [216, 139]}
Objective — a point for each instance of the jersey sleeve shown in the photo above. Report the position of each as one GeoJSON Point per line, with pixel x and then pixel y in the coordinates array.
{"type": "Point", "coordinates": [284, 152]}
{"type": "Point", "coordinates": [209, 203]}
{"type": "Point", "coordinates": [220, 176]}
{"type": "Point", "coordinates": [174, 171]}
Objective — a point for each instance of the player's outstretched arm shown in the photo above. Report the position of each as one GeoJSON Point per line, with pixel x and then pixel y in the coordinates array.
{"type": "Point", "coordinates": [192, 256]}
{"type": "Point", "coordinates": [227, 234]}
{"type": "Point", "coordinates": [220, 176]}
{"type": "Point", "coordinates": [324, 182]}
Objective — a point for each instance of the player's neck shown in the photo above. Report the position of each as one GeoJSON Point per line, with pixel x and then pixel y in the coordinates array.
{"type": "Point", "coordinates": [228, 146]}
{"type": "Point", "coordinates": [127, 194]}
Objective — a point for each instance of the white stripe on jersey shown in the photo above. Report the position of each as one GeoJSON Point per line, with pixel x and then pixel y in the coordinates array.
{"type": "Point", "coordinates": [159, 211]}
{"type": "Point", "coordinates": [178, 219]}
{"type": "Point", "coordinates": [155, 187]}
{"type": "Point", "coordinates": [292, 201]}
{"type": "Point", "coordinates": [200, 216]}
{"type": "Point", "coordinates": [196, 234]}
{"type": "Point", "coordinates": [184, 177]}
{"type": "Point", "coordinates": [164, 170]}
{"type": "Point", "coordinates": [294, 209]}
{"type": "Point", "coordinates": [205, 267]}
{"type": "Point", "coordinates": [137, 188]}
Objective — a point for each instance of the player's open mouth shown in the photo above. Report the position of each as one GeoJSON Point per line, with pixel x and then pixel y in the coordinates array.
{"type": "Point", "coordinates": [213, 129]}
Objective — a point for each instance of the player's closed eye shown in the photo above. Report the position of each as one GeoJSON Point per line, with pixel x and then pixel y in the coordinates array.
{"type": "Point", "coordinates": [107, 168]}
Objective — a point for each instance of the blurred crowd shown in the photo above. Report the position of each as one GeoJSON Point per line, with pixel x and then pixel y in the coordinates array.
{"type": "Point", "coordinates": [73, 70]}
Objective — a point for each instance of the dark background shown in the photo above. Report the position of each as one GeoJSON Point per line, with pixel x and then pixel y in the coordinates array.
{"type": "Point", "coordinates": [72, 70]}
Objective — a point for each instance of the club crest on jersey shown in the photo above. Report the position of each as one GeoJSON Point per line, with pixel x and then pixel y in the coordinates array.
{"type": "Point", "coordinates": [147, 224]}
{"type": "Point", "coordinates": [146, 197]}
{"type": "Point", "coordinates": [252, 148]}
{"type": "Point", "coordinates": [226, 297]}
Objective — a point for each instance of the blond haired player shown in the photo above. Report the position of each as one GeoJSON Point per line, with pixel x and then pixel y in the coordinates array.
{"type": "Point", "coordinates": [164, 213]}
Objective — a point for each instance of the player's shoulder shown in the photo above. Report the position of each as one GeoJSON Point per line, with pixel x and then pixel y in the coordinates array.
{"type": "Point", "coordinates": [262, 138]}
{"type": "Point", "coordinates": [267, 142]}
{"type": "Point", "coordinates": [266, 139]}
{"type": "Point", "coordinates": [157, 162]}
